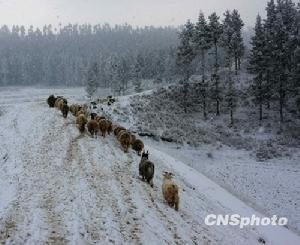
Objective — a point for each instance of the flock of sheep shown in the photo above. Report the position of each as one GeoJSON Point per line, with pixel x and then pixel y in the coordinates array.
{"type": "Point", "coordinates": [85, 119]}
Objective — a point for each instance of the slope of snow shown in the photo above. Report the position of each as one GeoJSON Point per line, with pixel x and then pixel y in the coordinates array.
{"type": "Point", "coordinates": [63, 187]}
{"type": "Point", "coordinates": [227, 156]}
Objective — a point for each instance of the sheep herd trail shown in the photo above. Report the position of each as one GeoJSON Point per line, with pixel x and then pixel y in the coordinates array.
{"type": "Point", "coordinates": [58, 186]}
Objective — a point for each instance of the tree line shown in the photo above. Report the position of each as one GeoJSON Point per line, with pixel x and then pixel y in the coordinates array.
{"type": "Point", "coordinates": [217, 46]}
{"type": "Point", "coordinates": [63, 56]}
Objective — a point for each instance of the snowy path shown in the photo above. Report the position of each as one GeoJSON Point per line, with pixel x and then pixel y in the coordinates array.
{"type": "Point", "coordinates": [60, 187]}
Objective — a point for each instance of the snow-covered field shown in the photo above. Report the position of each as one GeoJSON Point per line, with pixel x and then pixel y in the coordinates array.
{"type": "Point", "coordinates": [60, 187]}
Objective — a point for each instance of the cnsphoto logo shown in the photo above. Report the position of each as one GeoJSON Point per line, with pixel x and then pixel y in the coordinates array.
{"type": "Point", "coordinates": [238, 220]}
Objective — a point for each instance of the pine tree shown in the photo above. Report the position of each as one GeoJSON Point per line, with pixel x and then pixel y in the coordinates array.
{"type": "Point", "coordinates": [185, 52]}
{"type": "Point", "coordinates": [226, 41]}
{"type": "Point", "coordinates": [185, 56]}
{"type": "Point", "coordinates": [296, 59]}
{"type": "Point", "coordinates": [202, 44]}
{"type": "Point", "coordinates": [215, 32]}
{"type": "Point", "coordinates": [237, 42]}
{"type": "Point", "coordinates": [92, 80]}
{"type": "Point", "coordinates": [270, 33]}
{"type": "Point", "coordinates": [285, 17]}
{"type": "Point", "coordinates": [257, 65]}
{"type": "Point", "coordinates": [201, 41]}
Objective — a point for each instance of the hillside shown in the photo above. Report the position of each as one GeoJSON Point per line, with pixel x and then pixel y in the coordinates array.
{"type": "Point", "coordinates": [257, 163]}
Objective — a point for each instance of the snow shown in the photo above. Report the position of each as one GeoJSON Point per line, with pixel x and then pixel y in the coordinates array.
{"type": "Point", "coordinates": [57, 186]}
{"type": "Point", "coordinates": [260, 167]}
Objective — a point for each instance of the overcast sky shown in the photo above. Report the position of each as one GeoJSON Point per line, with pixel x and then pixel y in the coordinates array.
{"type": "Point", "coordinates": [135, 12]}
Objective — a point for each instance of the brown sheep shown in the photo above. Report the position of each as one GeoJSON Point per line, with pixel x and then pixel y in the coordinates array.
{"type": "Point", "coordinates": [61, 105]}
{"type": "Point", "coordinates": [121, 131]}
{"type": "Point", "coordinates": [124, 139]}
{"type": "Point", "coordinates": [93, 127]}
{"type": "Point", "coordinates": [51, 100]}
{"type": "Point", "coordinates": [81, 111]}
{"type": "Point", "coordinates": [117, 130]}
{"type": "Point", "coordinates": [99, 118]}
{"type": "Point", "coordinates": [58, 99]}
{"type": "Point", "coordinates": [138, 146]}
{"type": "Point", "coordinates": [81, 121]}
{"type": "Point", "coordinates": [170, 190]}
{"type": "Point", "coordinates": [103, 127]}
{"type": "Point", "coordinates": [109, 127]}
{"type": "Point", "coordinates": [132, 139]}
{"type": "Point", "coordinates": [74, 109]}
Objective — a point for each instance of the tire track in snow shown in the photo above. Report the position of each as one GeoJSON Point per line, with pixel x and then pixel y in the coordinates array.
{"type": "Point", "coordinates": [91, 229]}
{"type": "Point", "coordinates": [101, 215]}
{"type": "Point", "coordinates": [130, 222]}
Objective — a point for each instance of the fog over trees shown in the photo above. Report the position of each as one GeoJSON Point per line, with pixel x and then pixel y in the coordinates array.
{"type": "Point", "coordinates": [64, 56]}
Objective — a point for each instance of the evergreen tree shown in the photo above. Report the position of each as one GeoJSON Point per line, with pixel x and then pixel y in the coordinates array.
{"type": "Point", "coordinates": [237, 42]}
{"type": "Point", "coordinates": [215, 32]}
{"type": "Point", "coordinates": [185, 56]}
{"type": "Point", "coordinates": [257, 65]}
{"type": "Point", "coordinates": [283, 53]}
{"type": "Point", "coordinates": [201, 41]}
{"type": "Point", "coordinates": [185, 52]}
{"type": "Point", "coordinates": [296, 59]}
{"type": "Point", "coordinates": [202, 44]}
{"type": "Point", "coordinates": [227, 42]}
{"type": "Point", "coordinates": [270, 33]}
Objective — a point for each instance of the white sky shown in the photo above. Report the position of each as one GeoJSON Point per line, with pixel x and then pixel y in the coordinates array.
{"type": "Point", "coordinates": [134, 12]}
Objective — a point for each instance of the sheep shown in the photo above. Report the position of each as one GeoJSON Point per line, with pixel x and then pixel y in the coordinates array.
{"type": "Point", "coordinates": [65, 110]}
{"type": "Point", "coordinates": [117, 130]}
{"type": "Point", "coordinates": [74, 109]}
{"type": "Point", "coordinates": [132, 139]}
{"type": "Point", "coordinates": [93, 116]}
{"type": "Point", "coordinates": [124, 139]}
{"type": "Point", "coordinates": [82, 111]}
{"type": "Point", "coordinates": [60, 104]}
{"type": "Point", "coordinates": [103, 127]}
{"type": "Point", "coordinates": [138, 146]}
{"type": "Point", "coordinates": [81, 121]}
{"type": "Point", "coordinates": [57, 101]}
{"type": "Point", "coordinates": [109, 126]}
{"type": "Point", "coordinates": [93, 127]}
{"type": "Point", "coordinates": [51, 100]}
{"type": "Point", "coordinates": [170, 190]}
{"type": "Point", "coordinates": [121, 131]}
{"type": "Point", "coordinates": [99, 118]}
{"type": "Point", "coordinates": [146, 169]}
